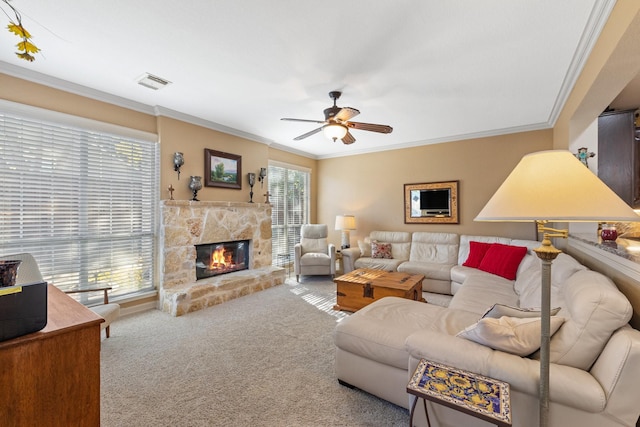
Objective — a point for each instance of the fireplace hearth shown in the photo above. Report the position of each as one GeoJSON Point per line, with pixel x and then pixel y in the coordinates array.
{"type": "Point", "coordinates": [214, 259]}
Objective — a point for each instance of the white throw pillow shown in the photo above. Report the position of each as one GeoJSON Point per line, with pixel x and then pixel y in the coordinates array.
{"type": "Point", "coordinates": [365, 247]}
{"type": "Point", "coordinates": [509, 334]}
{"type": "Point", "coordinates": [496, 311]}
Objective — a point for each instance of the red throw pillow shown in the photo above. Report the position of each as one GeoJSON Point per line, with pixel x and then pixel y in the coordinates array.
{"type": "Point", "coordinates": [477, 251]}
{"type": "Point", "coordinates": [503, 260]}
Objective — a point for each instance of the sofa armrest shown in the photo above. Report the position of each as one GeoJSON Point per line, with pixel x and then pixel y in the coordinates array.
{"type": "Point", "coordinates": [570, 386]}
{"type": "Point", "coordinates": [349, 257]}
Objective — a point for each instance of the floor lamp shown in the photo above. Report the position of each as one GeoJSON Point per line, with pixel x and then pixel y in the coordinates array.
{"type": "Point", "coordinates": [552, 186]}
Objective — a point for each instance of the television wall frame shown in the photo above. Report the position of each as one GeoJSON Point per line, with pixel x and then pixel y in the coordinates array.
{"type": "Point", "coordinates": [415, 216]}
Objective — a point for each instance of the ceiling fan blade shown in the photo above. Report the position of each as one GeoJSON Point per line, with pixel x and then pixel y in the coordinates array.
{"type": "Point", "coordinates": [348, 139]}
{"type": "Point", "coordinates": [346, 113]}
{"type": "Point", "coordinates": [303, 120]}
{"type": "Point", "coordinates": [370, 127]}
{"type": "Point", "coordinates": [313, 132]}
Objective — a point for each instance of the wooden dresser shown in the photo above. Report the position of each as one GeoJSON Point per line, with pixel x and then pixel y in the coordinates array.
{"type": "Point", "coordinates": [52, 377]}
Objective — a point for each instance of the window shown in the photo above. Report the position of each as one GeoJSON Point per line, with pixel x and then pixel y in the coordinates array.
{"type": "Point", "coordinates": [81, 200]}
{"type": "Point", "coordinates": [289, 188]}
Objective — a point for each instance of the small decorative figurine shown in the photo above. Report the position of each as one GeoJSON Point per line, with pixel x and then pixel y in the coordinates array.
{"type": "Point", "coordinates": [266, 200]}
{"type": "Point", "coordinates": [171, 190]}
{"type": "Point", "coordinates": [583, 155]}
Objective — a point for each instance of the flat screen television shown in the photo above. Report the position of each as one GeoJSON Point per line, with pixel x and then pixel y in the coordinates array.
{"type": "Point", "coordinates": [435, 201]}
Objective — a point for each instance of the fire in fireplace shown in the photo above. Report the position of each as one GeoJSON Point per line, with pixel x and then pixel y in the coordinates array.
{"type": "Point", "coordinates": [213, 259]}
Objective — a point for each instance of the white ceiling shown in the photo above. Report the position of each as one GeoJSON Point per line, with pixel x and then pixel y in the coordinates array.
{"type": "Point", "coordinates": [433, 70]}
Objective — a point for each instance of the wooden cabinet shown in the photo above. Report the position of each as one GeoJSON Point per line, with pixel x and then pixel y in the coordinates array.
{"type": "Point", "coordinates": [618, 155]}
{"type": "Point", "coordinates": [52, 377]}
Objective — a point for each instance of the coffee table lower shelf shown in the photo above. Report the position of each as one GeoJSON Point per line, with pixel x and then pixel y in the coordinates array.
{"type": "Point", "coordinates": [479, 396]}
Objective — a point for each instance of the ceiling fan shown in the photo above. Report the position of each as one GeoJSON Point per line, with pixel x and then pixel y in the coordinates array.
{"type": "Point", "coordinates": [336, 123]}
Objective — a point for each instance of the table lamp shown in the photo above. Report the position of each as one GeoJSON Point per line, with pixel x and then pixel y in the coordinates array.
{"type": "Point", "coordinates": [552, 186]}
{"type": "Point", "coordinates": [345, 223]}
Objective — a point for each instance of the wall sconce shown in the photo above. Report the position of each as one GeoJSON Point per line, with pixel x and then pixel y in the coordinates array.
{"type": "Point", "coordinates": [252, 182]}
{"type": "Point", "coordinates": [178, 161]}
{"type": "Point", "coordinates": [195, 184]}
{"type": "Point", "coordinates": [262, 176]}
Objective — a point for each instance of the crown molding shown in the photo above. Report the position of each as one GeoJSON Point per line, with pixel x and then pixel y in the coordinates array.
{"type": "Point", "coordinates": [596, 22]}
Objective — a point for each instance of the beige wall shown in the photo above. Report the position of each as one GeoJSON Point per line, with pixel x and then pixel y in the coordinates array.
{"type": "Point", "coordinates": [371, 186]}
{"type": "Point", "coordinates": [36, 95]}
{"type": "Point", "coordinates": [192, 140]}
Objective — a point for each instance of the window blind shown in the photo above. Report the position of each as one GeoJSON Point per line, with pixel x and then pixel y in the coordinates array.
{"type": "Point", "coordinates": [83, 202]}
{"type": "Point", "coordinates": [289, 196]}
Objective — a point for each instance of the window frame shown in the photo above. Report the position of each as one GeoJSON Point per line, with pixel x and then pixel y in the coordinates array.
{"type": "Point", "coordinates": [99, 221]}
{"type": "Point", "coordinates": [290, 230]}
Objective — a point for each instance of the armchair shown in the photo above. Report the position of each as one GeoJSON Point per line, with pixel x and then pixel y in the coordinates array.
{"type": "Point", "coordinates": [314, 255]}
{"type": "Point", "coordinates": [108, 311]}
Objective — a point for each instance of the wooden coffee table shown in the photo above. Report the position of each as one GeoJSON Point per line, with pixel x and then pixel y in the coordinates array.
{"type": "Point", "coordinates": [363, 286]}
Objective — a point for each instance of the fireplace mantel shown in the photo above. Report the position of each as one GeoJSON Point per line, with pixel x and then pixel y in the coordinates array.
{"type": "Point", "coordinates": [184, 224]}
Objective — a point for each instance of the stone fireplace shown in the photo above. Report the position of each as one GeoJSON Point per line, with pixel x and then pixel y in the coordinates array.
{"type": "Point", "coordinates": [186, 226]}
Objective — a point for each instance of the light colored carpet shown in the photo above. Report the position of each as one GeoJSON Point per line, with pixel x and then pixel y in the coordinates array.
{"type": "Point", "coordinates": [266, 359]}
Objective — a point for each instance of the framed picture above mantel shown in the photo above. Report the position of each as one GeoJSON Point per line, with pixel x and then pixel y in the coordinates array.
{"type": "Point", "coordinates": [431, 203]}
{"type": "Point", "coordinates": [222, 169]}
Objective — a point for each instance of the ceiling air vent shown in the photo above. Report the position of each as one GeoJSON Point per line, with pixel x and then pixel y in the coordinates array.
{"type": "Point", "coordinates": [152, 82]}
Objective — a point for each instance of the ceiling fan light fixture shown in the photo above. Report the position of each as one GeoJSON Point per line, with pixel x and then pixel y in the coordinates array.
{"type": "Point", "coordinates": [335, 131]}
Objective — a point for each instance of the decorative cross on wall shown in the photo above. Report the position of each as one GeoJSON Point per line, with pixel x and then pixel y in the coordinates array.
{"type": "Point", "coordinates": [583, 155]}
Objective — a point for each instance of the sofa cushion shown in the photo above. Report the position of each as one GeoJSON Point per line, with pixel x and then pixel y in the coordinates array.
{"type": "Point", "coordinates": [594, 309]}
{"type": "Point", "coordinates": [314, 245]}
{"type": "Point", "coordinates": [511, 334]}
{"type": "Point", "coordinates": [528, 283]}
{"type": "Point", "coordinates": [481, 291]}
{"type": "Point", "coordinates": [437, 277]}
{"type": "Point", "coordinates": [379, 330]}
{"type": "Point", "coordinates": [391, 236]}
{"type": "Point", "coordinates": [400, 242]}
{"type": "Point", "coordinates": [378, 263]}
{"type": "Point", "coordinates": [429, 270]}
{"type": "Point", "coordinates": [315, 258]}
{"type": "Point", "coordinates": [440, 248]}
{"type": "Point", "coordinates": [460, 273]}
{"type": "Point", "coordinates": [503, 260]}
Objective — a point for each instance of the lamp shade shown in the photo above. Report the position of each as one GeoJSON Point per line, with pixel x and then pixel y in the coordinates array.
{"type": "Point", "coordinates": [335, 131]}
{"type": "Point", "coordinates": [345, 222]}
{"type": "Point", "coordinates": [554, 186]}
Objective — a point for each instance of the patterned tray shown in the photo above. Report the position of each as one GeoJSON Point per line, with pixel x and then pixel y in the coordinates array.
{"type": "Point", "coordinates": [475, 394]}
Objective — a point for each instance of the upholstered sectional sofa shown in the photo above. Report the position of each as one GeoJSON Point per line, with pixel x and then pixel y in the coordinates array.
{"type": "Point", "coordinates": [595, 354]}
